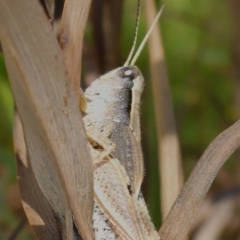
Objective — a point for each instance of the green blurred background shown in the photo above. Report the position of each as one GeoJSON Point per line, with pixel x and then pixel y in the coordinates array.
{"type": "Point", "coordinates": [201, 56]}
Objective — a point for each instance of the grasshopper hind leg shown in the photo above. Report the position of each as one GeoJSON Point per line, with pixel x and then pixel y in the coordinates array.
{"type": "Point", "coordinates": [102, 229]}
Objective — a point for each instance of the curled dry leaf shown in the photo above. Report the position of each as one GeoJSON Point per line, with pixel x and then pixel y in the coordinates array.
{"type": "Point", "coordinates": [178, 222]}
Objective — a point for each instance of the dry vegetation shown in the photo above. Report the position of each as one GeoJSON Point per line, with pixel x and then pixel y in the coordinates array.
{"type": "Point", "coordinates": [53, 163]}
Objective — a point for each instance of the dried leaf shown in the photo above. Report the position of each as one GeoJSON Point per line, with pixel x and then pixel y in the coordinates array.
{"type": "Point", "coordinates": [73, 24]}
{"type": "Point", "coordinates": [48, 108]}
{"type": "Point", "coordinates": [38, 211]}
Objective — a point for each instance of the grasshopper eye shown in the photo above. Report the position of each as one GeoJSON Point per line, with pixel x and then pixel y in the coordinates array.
{"type": "Point", "coordinates": [128, 72]}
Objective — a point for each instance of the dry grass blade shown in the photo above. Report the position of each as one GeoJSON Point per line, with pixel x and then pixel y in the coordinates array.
{"type": "Point", "coordinates": [171, 172]}
{"type": "Point", "coordinates": [106, 23]}
{"type": "Point", "coordinates": [51, 7]}
{"type": "Point", "coordinates": [177, 224]}
{"type": "Point", "coordinates": [48, 108]}
{"type": "Point", "coordinates": [37, 209]}
{"type": "Point", "coordinates": [216, 221]}
{"type": "Point", "coordinates": [73, 24]}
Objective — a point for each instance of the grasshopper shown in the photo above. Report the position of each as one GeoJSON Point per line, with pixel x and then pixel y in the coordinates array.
{"type": "Point", "coordinates": [111, 105]}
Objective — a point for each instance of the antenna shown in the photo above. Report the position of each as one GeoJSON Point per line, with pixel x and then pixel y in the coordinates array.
{"type": "Point", "coordinates": [135, 35]}
{"type": "Point", "coordinates": [146, 37]}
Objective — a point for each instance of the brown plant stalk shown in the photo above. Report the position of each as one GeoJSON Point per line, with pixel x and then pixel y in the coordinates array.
{"type": "Point", "coordinates": [178, 222]}
{"type": "Point", "coordinates": [170, 166]}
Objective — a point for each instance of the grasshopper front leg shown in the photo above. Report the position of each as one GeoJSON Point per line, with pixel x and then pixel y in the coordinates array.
{"type": "Point", "coordinates": [99, 140]}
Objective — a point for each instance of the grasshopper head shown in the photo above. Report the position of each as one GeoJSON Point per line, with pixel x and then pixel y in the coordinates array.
{"type": "Point", "coordinates": [128, 73]}
{"type": "Point", "coordinates": [107, 85]}
{"type": "Point", "coordinates": [114, 94]}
